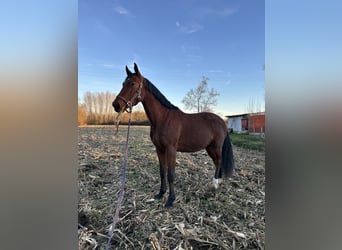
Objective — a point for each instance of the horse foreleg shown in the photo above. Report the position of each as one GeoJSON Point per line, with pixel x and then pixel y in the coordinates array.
{"type": "Point", "coordinates": [162, 182]}
{"type": "Point", "coordinates": [162, 169]}
{"type": "Point", "coordinates": [171, 159]}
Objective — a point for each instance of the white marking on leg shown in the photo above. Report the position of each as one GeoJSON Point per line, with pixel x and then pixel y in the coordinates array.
{"type": "Point", "coordinates": [220, 180]}
{"type": "Point", "coordinates": [215, 183]}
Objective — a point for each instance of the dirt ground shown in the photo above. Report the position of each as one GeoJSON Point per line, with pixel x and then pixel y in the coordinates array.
{"type": "Point", "coordinates": [233, 217]}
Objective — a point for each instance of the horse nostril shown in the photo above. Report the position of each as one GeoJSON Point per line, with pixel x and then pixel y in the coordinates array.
{"type": "Point", "coordinates": [116, 106]}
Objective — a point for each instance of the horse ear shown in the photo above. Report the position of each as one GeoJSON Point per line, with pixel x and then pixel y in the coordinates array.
{"type": "Point", "coordinates": [136, 69]}
{"type": "Point", "coordinates": [128, 71]}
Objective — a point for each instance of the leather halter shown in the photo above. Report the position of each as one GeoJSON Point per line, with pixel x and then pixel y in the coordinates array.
{"type": "Point", "coordinates": [129, 105]}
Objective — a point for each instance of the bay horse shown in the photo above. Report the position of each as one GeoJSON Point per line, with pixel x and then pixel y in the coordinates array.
{"type": "Point", "coordinates": [173, 130]}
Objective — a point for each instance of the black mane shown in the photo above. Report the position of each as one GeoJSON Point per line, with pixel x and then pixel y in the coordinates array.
{"type": "Point", "coordinates": [160, 97]}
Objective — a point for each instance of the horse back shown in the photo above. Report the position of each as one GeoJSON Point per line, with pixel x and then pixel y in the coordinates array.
{"type": "Point", "coordinates": [199, 130]}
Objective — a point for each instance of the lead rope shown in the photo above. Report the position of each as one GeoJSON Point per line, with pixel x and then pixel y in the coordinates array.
{"type": "Point", "coordinates": [122, 188]}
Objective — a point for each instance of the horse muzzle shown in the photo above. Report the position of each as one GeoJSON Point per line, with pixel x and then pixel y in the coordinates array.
{"type": "Point", "coordinates": [116, 106]}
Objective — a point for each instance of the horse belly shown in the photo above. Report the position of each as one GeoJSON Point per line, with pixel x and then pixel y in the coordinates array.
{"type": "Point", "coordinates": [193, 143]}
{"type": "Point", "coordinates": [188, 149]}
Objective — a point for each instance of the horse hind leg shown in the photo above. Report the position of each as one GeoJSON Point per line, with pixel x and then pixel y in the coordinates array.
{"type": "Point", "coordinates": [215, 154]}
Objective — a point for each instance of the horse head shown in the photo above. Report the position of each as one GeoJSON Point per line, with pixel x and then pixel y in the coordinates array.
{"type": "Point", "coordinates": [130, 94]}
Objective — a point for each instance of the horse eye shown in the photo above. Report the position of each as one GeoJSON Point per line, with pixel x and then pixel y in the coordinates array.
{"type": "Point", "coordinates": [132, 83]}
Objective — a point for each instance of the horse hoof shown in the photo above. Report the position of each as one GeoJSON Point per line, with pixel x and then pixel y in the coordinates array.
{"type": "Point", "coordinates": [159, 196]}
{"type": "Point", "coordinates": [215, 183]}
{"type": "Point", "coordinates": [169, 202]}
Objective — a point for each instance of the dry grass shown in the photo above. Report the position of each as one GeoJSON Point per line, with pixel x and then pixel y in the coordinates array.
{"type": "Point", "coordinates": [233, 217]}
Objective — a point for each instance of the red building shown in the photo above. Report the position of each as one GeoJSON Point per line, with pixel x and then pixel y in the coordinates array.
{"type": "Point", "coordinates": [251, 123]}
{"type": "Point", "coordinates": [256, 123]}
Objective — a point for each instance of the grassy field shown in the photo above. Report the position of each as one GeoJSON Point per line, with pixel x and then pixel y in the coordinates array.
{"type": "Point", "coordinates": [232, 217]}
{"type": "Point", "coordinates": [246, 141]}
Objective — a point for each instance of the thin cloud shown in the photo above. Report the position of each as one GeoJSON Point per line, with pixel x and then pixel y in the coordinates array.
{"type": "Point", "coordinates": [220, 12]}
{"type": "Point", "coordinates": [189, 28]}
{"type": "Point", "coordinates": [109, 66]}
{"type": "Point", "coordinates": [102, 28]}
{"type": "Point", "coordinates": [193, 58]}
{"type": "Point", "coordinates": [189, 48]}
{"type": "Point", "coordinates": [225, 12]}
{"type": "Point", "coordinates": [216, 71]}
{"type": "Point", "coordinates": [121, 10]}
{"type": "Point", "coordinates": [113, 66]}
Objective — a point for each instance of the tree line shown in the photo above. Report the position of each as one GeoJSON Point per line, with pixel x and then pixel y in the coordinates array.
{"type": "Point", "coordinates": [97, 109]}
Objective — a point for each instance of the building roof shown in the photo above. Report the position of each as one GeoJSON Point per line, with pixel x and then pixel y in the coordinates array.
{"type": "Point", "coordinates": [245, 114]}
{"type": "Point", "coordinates": [231, 116]}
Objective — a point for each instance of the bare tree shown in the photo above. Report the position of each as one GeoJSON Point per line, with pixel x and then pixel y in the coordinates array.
{"type": "Point", "coordinates": [88, 103]}
{"type": "Point", "coordinates": [250, 107]}
{"type": "Point", "coordinates": [201, 98]}
{"type": "Point", "coordinates": [253, 106]}
{"type": "Point", "coordinates": [82, 114]}
{"type": "Point", "coordinates": [97, 109]}
{"type": "Point", "coordinates": [109, 108]}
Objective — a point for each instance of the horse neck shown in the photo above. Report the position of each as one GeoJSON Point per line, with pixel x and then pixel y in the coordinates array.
{"type": "Point", "coordinates": [155, 111]}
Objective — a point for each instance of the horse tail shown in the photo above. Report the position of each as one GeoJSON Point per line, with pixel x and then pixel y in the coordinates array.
{"type": "Point", "coordinates": [227, 162]}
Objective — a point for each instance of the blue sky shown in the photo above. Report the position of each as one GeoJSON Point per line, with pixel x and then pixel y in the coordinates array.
{"type": "Point", "coordinates": [175, 43]}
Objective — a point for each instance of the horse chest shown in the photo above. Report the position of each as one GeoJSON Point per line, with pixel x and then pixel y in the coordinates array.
{"type": "Point", "coordinates": [156, 139]}
{"type": "Point", "coordinates": [161, 140]}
